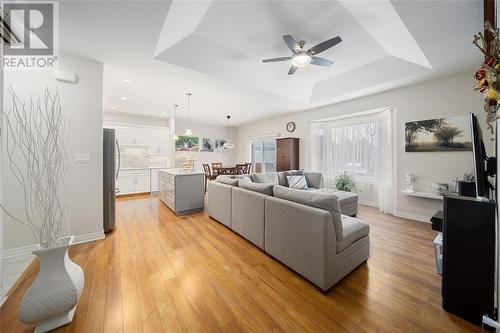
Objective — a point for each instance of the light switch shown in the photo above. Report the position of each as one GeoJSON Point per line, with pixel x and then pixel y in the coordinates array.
{"type": "Point", "coordinates": [82, 158]}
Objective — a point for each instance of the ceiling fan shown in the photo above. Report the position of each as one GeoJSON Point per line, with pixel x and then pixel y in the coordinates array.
{"type": "Point", "coordinates": [301, 58]}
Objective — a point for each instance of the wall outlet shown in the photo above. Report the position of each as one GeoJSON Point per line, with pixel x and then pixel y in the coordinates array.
{"type": "Point", "coordinates": [82, 158]}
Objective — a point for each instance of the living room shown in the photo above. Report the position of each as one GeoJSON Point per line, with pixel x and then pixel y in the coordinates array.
{"type": "Point", "coordinates": [249, 166]}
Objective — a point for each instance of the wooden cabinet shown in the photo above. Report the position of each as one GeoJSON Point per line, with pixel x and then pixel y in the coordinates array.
{"type": "Point", "coordinates": [133, 181]}
{"type": "Point", "coordinates": [159, 142]}
{"type": "Point", "coordinates": [287, 154]}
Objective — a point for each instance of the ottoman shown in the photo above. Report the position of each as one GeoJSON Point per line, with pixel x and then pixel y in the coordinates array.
{"type": "Point", "coordinates": [348, 201]}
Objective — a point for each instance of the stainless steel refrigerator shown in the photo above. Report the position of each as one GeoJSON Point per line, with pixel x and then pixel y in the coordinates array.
{"type": "Point", "coordinates": [111, 169]}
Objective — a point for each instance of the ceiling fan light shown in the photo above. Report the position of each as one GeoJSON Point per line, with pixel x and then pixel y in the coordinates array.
{"type": "Point", "coordinates": [301, 59]}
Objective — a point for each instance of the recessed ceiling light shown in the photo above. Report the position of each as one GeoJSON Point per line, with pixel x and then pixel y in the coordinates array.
{"type": "Point", "coordinates": [126, 80]}
{"type": "Point", "coordinates": [124, 98]}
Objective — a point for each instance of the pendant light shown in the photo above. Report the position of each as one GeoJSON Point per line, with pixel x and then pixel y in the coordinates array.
{"type": "Point", "coordinates": [188, 130]}
{"type": "Point", "coordinates": [227, 144]}
{"type": "Point", "coordinates": [175, 136]}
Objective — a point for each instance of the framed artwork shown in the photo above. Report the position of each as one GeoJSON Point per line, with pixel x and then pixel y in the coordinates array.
{"type": "Point", "coordinates": [219, 144]}
{"type": "Point", "coordinates": [440, 134]}
{"type": "Point", "coordinates": [207, 145]}
{"type": "Point", "coordinates": [186, 143]}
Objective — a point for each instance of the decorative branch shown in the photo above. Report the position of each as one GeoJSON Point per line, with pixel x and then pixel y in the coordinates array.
{"type": "Point", "coordinates": [35, 136]}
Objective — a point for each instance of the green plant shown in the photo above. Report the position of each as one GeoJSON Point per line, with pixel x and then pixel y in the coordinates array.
{"type": "Point", "coordinates": [346, 182]}
{"type": "Point", "coordinates": [469, 176]}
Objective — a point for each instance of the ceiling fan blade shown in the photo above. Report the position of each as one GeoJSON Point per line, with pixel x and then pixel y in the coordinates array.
{"type": "Point", "coordinates": [292, 69]}
{"type": "Point", "coordinates": [325, 45]}
{"type": "Point", "coordinates": [277, 59]}
{"type": "Point", "coordinates": [291, 43]}
{"type": "Point", "coordinates": [321, 62]}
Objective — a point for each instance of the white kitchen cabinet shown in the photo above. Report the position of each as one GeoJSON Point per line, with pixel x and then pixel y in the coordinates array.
{"type": "Point", "coordinates": [142, 183]}
{"type": "Point", "coordinates": [141, 136]}
{"type": "Point", "coordinates": [159, 142]}
{"type": "Point", "coordinates": [133, 181]}
{"type": "Point", "coordinates": [132, 136]}
{"type": "Point", "coordinates": [125, 135]}
{"type": "Point", "coordinates": [125, 183]}
{"type": "Point", "coordinates": [183, 192]}
{"type": "Point", "coordinates": [154, 180]}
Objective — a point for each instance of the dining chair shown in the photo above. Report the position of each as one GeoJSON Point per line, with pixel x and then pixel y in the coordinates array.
{"type": "Point", "coordinates": [208, 174]}
{"type": "Point", "coordinates": [215, 173]}
{"type": "Point", "coordinates": [248, 168]}
{"type": "Point", "coordinates": [240, 169]}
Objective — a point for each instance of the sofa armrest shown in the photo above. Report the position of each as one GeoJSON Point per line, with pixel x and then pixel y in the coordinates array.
{"type": "Point", "coordinates": [219, 202]}
{"type": "Point", "coordinates": [301, 237]}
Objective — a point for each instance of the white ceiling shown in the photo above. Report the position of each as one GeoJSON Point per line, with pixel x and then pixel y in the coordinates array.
{"type": "Point", "coordinates": [214, 49]}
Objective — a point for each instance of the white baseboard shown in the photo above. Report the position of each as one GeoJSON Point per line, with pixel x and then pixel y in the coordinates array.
{"type": "Point", "coordinates": [18, 254]}
{"type": "Point", "coordinates": [15, 253]}
{"type": "Point", "coordinates": [412, 216]}
{"type": "Point", "coordinates": [15, 261]}
{"type": "Point", "coordinates": [89, 237]}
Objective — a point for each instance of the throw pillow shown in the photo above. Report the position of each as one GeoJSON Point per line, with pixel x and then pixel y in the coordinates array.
{"type": "Point", "coordinates": [263, 188]}
{"type": "Point", "coordinates": [292, 173]}
{"type": "Point", "coordinates": [297, 182]}
{"type": "Point", "coordinates": [225, 179]}
{"type": "Point", "coordinates": [270, 178]}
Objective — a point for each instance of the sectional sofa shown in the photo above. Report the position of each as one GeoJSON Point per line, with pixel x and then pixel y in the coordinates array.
{"type": "Point", "coordinates": [306, 230]}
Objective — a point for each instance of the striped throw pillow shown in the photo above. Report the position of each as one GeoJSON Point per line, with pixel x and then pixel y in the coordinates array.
{"type": "Point", "coordinates": [297, 182]}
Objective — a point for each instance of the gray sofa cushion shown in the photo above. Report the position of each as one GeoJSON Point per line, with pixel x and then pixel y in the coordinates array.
{"type": "Point", "coordinates": [231, 179]}
{"type": "Point", "coordinates": [345, 198]}
{"type": "Point", "coordinates": [263, 188]}
{"type": "Point", "coordinates": [316, 199]}
{"type": "Point", "coordinates": [353, 230]}
{"type": "Point", "coordinates": [268, 178]}
{"type": "Point", "coordinates": [314, 179]}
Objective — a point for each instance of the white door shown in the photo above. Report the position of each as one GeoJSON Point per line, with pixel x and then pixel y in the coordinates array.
{"type": "Point", "coordinates": [141, 136]}
{"type": "Point", "coordinates": [125, 135]}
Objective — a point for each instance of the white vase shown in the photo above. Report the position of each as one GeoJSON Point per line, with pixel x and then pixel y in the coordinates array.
{"type": "Point", "coordinates": [51, 300]}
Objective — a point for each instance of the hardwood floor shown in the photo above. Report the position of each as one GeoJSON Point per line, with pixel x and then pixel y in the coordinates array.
{"type": "Point", "coordinates": [161, 273]}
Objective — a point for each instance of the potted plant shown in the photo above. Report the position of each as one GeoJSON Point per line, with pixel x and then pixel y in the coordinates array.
{"type": "Point", "coordinates": [34, 146]}
{"type": "Point", "coordinates": [346, 182]}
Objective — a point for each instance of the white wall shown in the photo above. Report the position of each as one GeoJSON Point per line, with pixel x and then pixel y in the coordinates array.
{"type": "Point", "coordinates": [442, 98]}
{"type": "Point", "coordinates": [227, 157]}
{"type": "Point", "coordinates": [81, 103]}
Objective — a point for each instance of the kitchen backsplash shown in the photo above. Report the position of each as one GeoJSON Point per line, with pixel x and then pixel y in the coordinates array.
{"type": "Point", "coordinates": [138, 157]}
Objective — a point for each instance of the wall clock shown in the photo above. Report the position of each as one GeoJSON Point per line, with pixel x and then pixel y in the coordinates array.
{"type": "Point", "coordinates": [290, 127]}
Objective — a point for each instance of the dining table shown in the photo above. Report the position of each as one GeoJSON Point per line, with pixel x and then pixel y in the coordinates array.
{"type": "Point", "coordinates": [224, 170]}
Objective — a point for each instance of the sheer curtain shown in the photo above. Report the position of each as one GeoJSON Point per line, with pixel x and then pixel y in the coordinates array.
{"type": "Point", "coordinates": [360, 146]}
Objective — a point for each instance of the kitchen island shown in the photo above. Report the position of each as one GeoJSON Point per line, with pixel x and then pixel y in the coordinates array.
{"type": "Point", "coordinates": [183, 192]}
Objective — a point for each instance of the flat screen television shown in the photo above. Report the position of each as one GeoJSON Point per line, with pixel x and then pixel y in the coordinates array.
{"type": "Point", "coordinates": [484, 166]}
